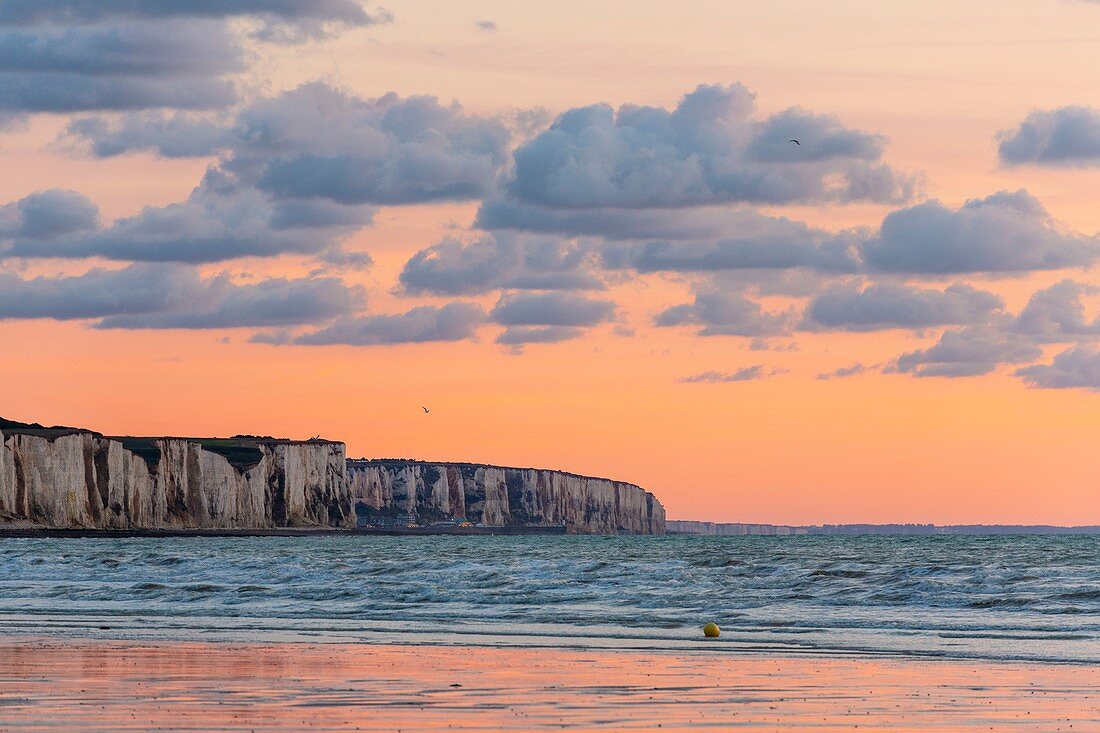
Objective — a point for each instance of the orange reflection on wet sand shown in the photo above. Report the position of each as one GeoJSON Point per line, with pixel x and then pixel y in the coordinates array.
{"type": "Point", "coordinates": [124, 686]}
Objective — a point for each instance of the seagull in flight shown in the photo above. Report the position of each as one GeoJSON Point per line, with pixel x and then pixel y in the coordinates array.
{"type": "Point", "coordinates": [425, 409]}
{"type": "Point", "coordinates": [792, 140]}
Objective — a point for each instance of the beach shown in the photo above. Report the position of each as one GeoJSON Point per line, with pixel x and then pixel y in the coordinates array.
{"type": "Point", "coordinates": [549, 633]}
{"type": "Point", "coordinates": [105, 685]}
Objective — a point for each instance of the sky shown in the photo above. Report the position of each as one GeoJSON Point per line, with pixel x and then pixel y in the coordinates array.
{"type": "Point", "coordinates": [578, 232]}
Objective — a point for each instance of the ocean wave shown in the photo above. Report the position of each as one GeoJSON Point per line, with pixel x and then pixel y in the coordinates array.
{"type": "Point", "coordinates": [1033, 597]}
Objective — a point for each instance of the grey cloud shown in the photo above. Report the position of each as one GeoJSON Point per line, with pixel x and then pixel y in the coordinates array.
{"type": "Point", "coordinates": [346, 153]}
{"type": "Point", "coordinates": [274, 302]}
{"type": "Point", "coordinates": [452, 322]}
{"type": "Point", "coordinates": [145, 50]}
{"type": "Point", "coordinates": [844, 372]}
{"type": "Point", "coordinates": [213, 225]}
{"type": "Point", "coordinates": [967, 352]}
{"type": "Point", "coordinates": [1005, 232]}
{"type": "Point", "coordinates": [886, 305]}
{"type": "Point", "coordinates": [27, 12]}
{"type": "Point", "coordinates": [176, 136]}
{"type": "Point", "coordinates": [551, 309]}
{"type": "Point", "coordinates": [175, 296]}
{"type": "Point", "coordinates": [278, 19]}
{"type": "Point", "coordinates": [616, 224]}
{"type": "Point", "coordinates": [1067, 136]}
{"type": "Point", "coordinates": [741, 375]}
{"type": "Point", "coordinates": [316, 141]}
{"type": "Point", "coordinates": [1075, 368]}
{"type": "Point", "coordinates": [138, 66]}
{"type": "Point", "coordinates": [336, 258]}
{"type": "Point", "coordinates": [794, 283]}
{"type": "Point", "coordinates": [1057, 314]}
{"type": "Point", "coordinates": [485, 25]}
{"type": "Point", "coordinates": [291, 214]}
{"type": "Point", "coordinates": [820, 138]}
{"type": "Point", "coordinates": [500, 260]}
{"type": "Point", "coordinates": [725, 314]}
{"type": "Point", "coordinates": [63, 93]}
{"type": "Point", "coordinates": [757, 253]}
{"type": "Point", "coordinates": [48, 215]}
{"type": "Point", "coordinates": [708, 150]}
{"type": "Point", "coordinates": [520, 335]}
{"type": "Point", "coordinates": [65, 56]}
{"type": "Point", "coordinates": [99, 293]}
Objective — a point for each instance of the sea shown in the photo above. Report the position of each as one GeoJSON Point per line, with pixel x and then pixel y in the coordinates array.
{"type": "Point", "coordinates": [1028, 598]}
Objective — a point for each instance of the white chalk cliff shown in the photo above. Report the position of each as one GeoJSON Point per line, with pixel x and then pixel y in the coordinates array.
{"type": "Point", "coordinates": [499, 496]}
{"type": "Point", "coordinates": [71, 478]}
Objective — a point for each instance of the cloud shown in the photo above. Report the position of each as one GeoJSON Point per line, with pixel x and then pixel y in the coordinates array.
{"type": "Point", "coordinates": [551, 309]}
{"type": "Point", "coordinates": [339, 259]}
{"type": "Point", "coordinates": [485, 25]}
{"type": "Point", "coordinates": [1078, 367]}
{"type": "Point", "coordinates": [1057, 314]}
{"type": "Point", "coordinates": [318, 142]}
{"type": "Point", "coordinates": [268, 303]}
{"type": "Point", "coordinates": [748, 253]}
{"type": "Point", "coordinates": [142, 50]}
{"type": "Point", "coordinates": [218, 222]}
{"type": "Point", "coordinates": [296, 173]}
{"type": "Point", "coordinates": [1005, 232]}
{"type": "Point", "coordinates": [725, 314]}
{"type": "Point", "coordinates": [277, 19]}
{"type": "Point", "coordinates": [520, 335]}
{"type": "Point", "coordinates": [1067, 136]}
{"type": "Point", "coordinates": [741, 375]}
{"type": "Point", "coordinates": [886, 305]}
{"type": "Point", "coordinates": [496, 260]}
{"type": "Point", "coordinates": [173, 136]}
{"type": "Point", "coordinates": [65, 56]}
{"type": "Point", "coordinates": [844, 372]}
{"type": "Point", "coordinates": [709, 150]}
{"type": "Point", "coordinates": [129, 67]}
{"type": "Point", "coordinates": [700, 223]}
{"type": "Point", "coordinates": [99, 293]}
{"type": "Point", "coordinates": [175, 296]}
{"type": "Point", "coordinates": [968, 352]}
{"type": "Point", "coordinates": [453, 322]}
{"type": "Point", "coordinates": [48, 215]}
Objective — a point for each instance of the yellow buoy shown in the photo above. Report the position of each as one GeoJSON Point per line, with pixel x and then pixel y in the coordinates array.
{"type": "Point", "coordinates": [711, 630]}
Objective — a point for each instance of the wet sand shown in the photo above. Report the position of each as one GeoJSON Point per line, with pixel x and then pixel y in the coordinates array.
{"type": "Point", "coordinates": [126, 686]}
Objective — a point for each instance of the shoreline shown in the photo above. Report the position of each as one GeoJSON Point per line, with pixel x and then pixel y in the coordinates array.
{"type": "Point", "coordinates": [77, 533]}
{"type": "Point", "coordinates": [116, 685]}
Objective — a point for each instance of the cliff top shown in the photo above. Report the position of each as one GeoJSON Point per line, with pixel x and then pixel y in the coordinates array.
{"type": "Point", "coordinates": [465, 464]}
{"type": "Point", "coordinates": [242, 451]}
{"type": "Point", "coordinates": [13, 427]}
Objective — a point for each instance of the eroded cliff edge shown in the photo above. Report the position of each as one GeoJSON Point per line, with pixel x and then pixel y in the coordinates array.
{"type": "Point", "coordinates": [502, 496]}
{"type": "Point", "coordinates": [75, 478]}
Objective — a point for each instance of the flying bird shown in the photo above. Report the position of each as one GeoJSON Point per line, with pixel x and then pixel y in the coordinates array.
{"type": "Point", "coordinates": [425, 409]}
{"type": "Point", "coordinates": [792, 140]}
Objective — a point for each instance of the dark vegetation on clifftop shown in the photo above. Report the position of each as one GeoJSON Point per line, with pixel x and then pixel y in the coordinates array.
{"type": "Point", "coordinates": [242, 451]}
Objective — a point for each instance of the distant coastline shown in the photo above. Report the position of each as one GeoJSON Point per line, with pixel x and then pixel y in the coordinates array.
{"type": "Point", "coordinates": [733, 529]}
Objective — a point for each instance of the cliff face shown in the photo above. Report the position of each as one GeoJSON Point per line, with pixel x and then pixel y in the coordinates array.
{"type": "Point", "coordinates": [70, 478]}
{"type": "Point", "coordinates": [682, 526]}
{"type": "Point", "coordinates": [498, 496]}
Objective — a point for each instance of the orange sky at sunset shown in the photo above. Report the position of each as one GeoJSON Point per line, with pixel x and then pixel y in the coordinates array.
{"type": "Point", "coordinates": [765, 437]}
